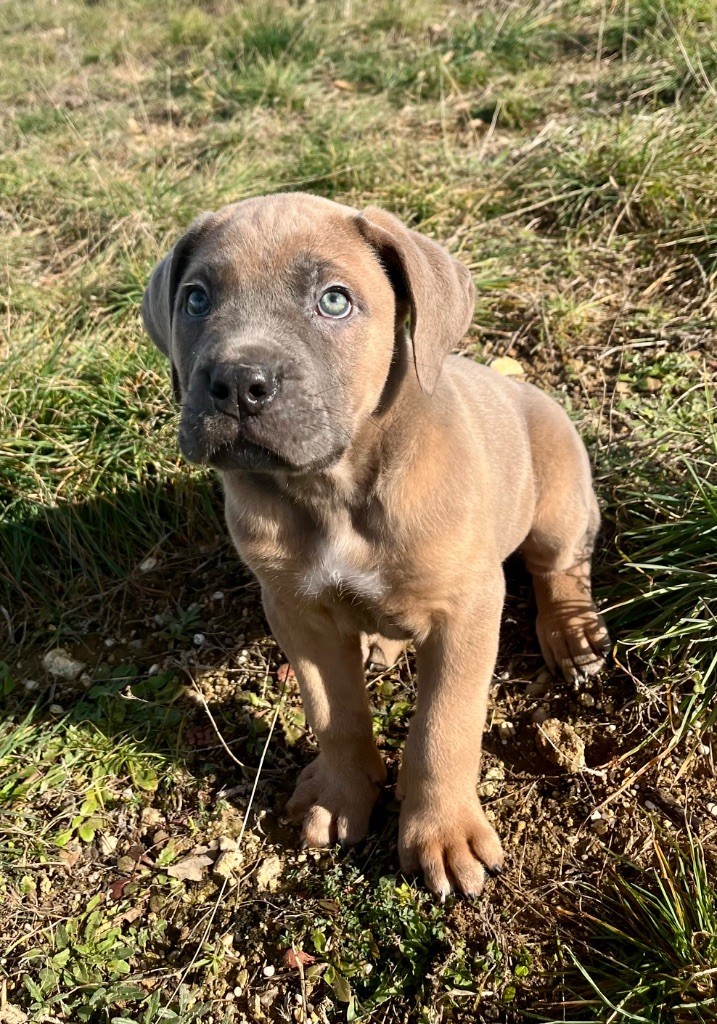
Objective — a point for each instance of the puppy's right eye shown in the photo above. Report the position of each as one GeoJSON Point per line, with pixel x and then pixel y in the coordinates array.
{"type": "Point", "coordinates": [197, 302]}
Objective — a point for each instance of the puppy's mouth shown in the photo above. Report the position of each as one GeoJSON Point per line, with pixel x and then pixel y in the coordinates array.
{"type": "Point", "coordinates": [222, 442]}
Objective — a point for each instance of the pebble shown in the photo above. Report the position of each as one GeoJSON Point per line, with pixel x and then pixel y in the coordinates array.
{"type": "Point", "coordinates": [226, 864]}
{"type": "Point", "coordinates": [31, 684]}
{"type": "Point", "coordinates": [148, 564]}
{"type": "Point", "coordinates": [587, 699]}
{"type": "Point", "coordinates": [269, 873]}
{"type": "Point", "coordinates": [109, 642]}
{"type": "Point", "coordinates": [506, 730]}
{"type": "Point", "coordinates": [269, 971]}
{"type": "Point", "coordinates": [595, 816]}
{"type": "Point", "coordinates": [153, 670]}
{"type": "Point", "coordinates": [649, 806]}
{"type": "Point", "coordinates": [712, 809]}
{"type": "Point", "coordinates": [218, 595]}
{"type": "Point", "coordinates": [704, 750]}
{"type": "Point", "coordinates": [199, 639]}
{"type": "Point", "coordinates": [56, 709]}
{"type": "Point", "coordinates": [61, 664]}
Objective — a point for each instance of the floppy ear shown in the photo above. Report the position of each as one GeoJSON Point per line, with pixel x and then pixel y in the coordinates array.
{"type": "Point", "coordinates": [437, 288]}
{"type": "Point", "coordinates": [159, 296]}
{"type": "Point", "coordinates": [157, 304]}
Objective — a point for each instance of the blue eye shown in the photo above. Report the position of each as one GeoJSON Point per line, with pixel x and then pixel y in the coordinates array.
{"type": "Point", "coordinates": [334, 303]}
{"type": "Point", "coordinates": [197, 302]}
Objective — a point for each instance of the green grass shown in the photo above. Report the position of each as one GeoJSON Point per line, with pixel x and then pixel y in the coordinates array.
{"type": "Point", "coordinates": [662, 933]}
{"type": "Point", "coordinates": [565, 150]}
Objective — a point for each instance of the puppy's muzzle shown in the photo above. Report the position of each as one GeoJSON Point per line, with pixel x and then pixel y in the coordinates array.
{"type": "Point", "coordinates": [239, 389]}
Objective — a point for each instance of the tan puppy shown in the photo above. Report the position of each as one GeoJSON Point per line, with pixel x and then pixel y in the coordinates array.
{"type": "Point", "coordinates": [375, 487]}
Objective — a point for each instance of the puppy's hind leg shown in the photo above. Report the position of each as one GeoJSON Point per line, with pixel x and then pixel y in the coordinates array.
{"type": "Point", "coordinates": [558, 552]}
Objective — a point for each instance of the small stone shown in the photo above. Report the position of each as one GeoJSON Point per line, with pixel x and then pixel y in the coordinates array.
{"type": "Point", "coordinates": [704, 750]}
{"type": "Point", "coordinates": [62, 665]}
{"type": "Point", "coordinates": [506, 731]}
{"type": "Point", "coordinates": [31, 684]}
{"type": "Point", "coordinates": [56, 709]}
{"type": "Point", "coordinates": [269, 971]}
{"type": "Point", "coordinates": [148, 564]}
{"type": "Point", "coordinates": [649, 806]}
{"type": "Point", "coordinates": [160, 837]}
{"type": "Point", "coordinates": [198, 639]}
{"type": "Point", "coordinates": [109, 642]}
{"type": "Point", "coordinates": [561, 745]}
{"type": "Point", "coordinates": [226, 864]}
{"type": "Point", "coordinates": [587, 700]}
{"type": "Point", "coordinates": [540, 715]}
{"type": "Point", "coordinates": [601, 827]}
{"type": "Point", "coordinates": [153, 670]}
{"type": "Point", "coordinates": [269, 873]}
{"type": "Point", "coordinates": [712, 809]}
{"type": "Point", "coordinates": [218, 595]}
{"type": "Point", "coordinates": [227, 843]}
{"type": "Point", "coordinates": [595, 816]}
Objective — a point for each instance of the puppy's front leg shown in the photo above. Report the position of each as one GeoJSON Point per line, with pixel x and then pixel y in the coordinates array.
{"type": "Point", "coordinates": [336, 792]}
{"type": "Point", "coordinates": [443, 830]}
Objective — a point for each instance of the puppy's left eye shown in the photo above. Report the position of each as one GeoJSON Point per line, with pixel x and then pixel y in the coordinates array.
{"type": "Point", "coordinates": [334, 303]}
{"type": "Point", "coordinates": [197, 302]}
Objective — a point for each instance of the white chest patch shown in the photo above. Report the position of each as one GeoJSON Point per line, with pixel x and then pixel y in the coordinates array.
{"type": "Point", "coordinates": [339, 567]}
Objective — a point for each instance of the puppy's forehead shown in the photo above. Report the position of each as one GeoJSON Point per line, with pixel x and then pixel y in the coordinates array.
{"type": "Point", "coordinates": [272, 236]}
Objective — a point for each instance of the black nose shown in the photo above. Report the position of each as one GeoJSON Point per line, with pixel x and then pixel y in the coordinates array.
{"type": "Point", "coordinates": [242, 390]}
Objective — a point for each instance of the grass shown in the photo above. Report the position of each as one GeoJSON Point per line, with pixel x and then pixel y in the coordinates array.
{"type": "Point", "coordinates": [565, 151]}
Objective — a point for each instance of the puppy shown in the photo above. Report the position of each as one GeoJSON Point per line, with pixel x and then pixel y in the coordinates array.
{"type": "Point", "coordinates": [375, 485]}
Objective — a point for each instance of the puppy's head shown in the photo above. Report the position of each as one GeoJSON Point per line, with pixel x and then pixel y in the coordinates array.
{"type": "Point", "coordinates": [281, 316]}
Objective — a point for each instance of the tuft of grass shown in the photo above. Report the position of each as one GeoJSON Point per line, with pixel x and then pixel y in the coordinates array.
{"type": "Point", "coordinates": [650, 951]}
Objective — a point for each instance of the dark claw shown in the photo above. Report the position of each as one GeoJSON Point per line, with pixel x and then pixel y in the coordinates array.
{"type": "Point", "coordinates": [496, 870]}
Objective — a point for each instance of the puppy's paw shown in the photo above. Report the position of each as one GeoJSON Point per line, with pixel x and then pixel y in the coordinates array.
{"type": "Point", "coordinates": [451, 842]}
{"type": "Point", "coordinates": [380, 652]}
{"type": "Point", "coordinates": [335, 806]}
{"type": "Point", "coordinates": [574, 644]}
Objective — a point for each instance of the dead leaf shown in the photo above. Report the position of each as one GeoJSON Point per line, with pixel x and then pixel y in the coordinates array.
{"type": "Point", "coordinates": [297, 957]}
{"type": "Point", "coordinates": [191, 869]}
{"type": "Point", "coordinates": [117, 888]}
{"type": "Point", "coordinates": [70, 854]}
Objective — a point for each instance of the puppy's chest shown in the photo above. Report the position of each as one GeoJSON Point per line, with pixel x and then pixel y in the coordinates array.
{"type": "Point", "coordinates": [340, 567]}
